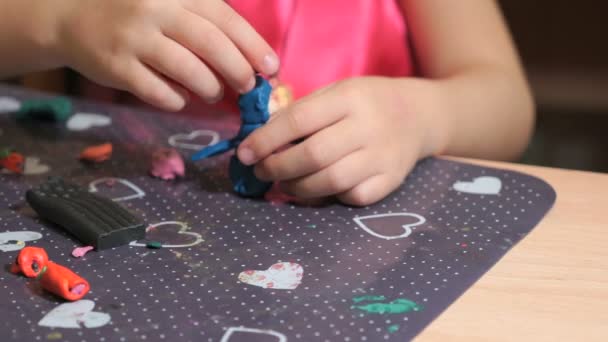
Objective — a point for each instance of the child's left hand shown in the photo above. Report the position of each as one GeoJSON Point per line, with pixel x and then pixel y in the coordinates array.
{"type": "Point", "coordinates": [363, 135]}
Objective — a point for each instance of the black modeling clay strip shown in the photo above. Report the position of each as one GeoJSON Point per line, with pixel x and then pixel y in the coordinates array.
{"type": "Point", "coordinates": [94, 220]}
{"type": "Point", "coordinates": [123, 217]}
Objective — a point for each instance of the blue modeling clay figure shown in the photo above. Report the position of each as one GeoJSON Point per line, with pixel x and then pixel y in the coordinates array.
{"type": "Point", "coordinates": [254, 113]}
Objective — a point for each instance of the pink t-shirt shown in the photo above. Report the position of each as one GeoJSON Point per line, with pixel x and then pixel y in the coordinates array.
{"type": "Point", "coordinates": [320, 42]}
{"type": "Point", "coordinates": [323, 41]}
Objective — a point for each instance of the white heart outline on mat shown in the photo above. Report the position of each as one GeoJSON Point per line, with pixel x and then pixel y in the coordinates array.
{"type": "Point", "coordinates": [215, 138]}
{"type": "Point", "coordinates": [231, 330]}
{"type": "Point", "coordinates": [73, 314]}
{"type": "Point", "coordinates": [22, 236]}
{"type": "Point", "coordinates": [182, 231]}
{"type": "Point", "coordinates": [407, 227]}
{"type": "Point", "coordinates": [85, 121]}
{"type": "Point", "coordinates": [484, 185]}
{"type": "Point", "coordinates": [139, 193]}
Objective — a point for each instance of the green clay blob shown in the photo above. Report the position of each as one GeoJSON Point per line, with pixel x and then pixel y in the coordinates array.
{"type": "Point", "coordinates": [368, 298]}
{"type": "Point", "coordinates": [154, 244]}
{"type": "Point", "coordinates": [393, 328]}
{"type": "Point", "coordinates": [398, 306]}
{"type": "Point", "coordinates": [57, 109]}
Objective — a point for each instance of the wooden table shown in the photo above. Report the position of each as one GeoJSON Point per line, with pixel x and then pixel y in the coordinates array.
{"type": "Point", "coordinates": [553, 286]}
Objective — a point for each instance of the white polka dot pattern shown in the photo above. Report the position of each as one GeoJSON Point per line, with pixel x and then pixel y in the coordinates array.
{"type": "Point", "coordinates": [356, 285]}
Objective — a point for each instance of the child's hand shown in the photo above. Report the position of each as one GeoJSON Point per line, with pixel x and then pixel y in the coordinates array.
{"type": "Point", "coordinates": [159, 49]}
{"type": "Point", "coordinates": [362, 137]}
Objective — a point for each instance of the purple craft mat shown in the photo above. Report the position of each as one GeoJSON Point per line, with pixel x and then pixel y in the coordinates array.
{"type": "Point", "coordinates": [193, 293]}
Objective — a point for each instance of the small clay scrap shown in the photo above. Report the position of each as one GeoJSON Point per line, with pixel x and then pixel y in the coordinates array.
{"type": "Point", "coordinates": [94, 220]}
{"type": "Point", "coordinates": [12, 161]}
{"type": "Point", "coordinates": [79, 252]}
{"type": "Point", "coordinates": [96, 153]}
{"type": "Point", "coordinates": [280, 97]}
{"type": "Point", "coordinates": [57, 109]}
{"type": "Point", "coordinates": [167, 164]}
{"type": "Point", "coordinates": [33, 262]}
{"type": "Point", "coordinates": [154, 245]}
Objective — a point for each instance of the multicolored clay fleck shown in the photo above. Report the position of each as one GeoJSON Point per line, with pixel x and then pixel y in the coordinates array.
{"type": "Point", "coordinates": [55, 335]}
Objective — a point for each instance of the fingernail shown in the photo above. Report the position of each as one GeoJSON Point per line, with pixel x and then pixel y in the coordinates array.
{"type": "Point", "coordinates": [246, 156]}
{"type": "Point", "coordinates": [218, 98]}
{"type": "Point", "coordinates": [271, 64]}
{"type": "Point", "coordinates": [250, 86]}
{"type": "Point", "coordinates": [185, 94]}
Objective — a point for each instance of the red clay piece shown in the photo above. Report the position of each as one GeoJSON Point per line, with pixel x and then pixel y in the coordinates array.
{"type": "Point", "coordinates": [30, 261]}
{"type": "Point", "coordinates": [12, 161]}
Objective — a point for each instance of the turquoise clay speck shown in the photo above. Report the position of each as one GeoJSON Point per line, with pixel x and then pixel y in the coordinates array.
{"type": "Point", "coordinates": [397, 306]}
{"type": "Point", "coordinates": [154, 244]}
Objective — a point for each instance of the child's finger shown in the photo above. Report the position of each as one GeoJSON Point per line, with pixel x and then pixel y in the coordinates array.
{"type": "Point", "coordinates": [175, 62]}
{"type": "Point", "coordinates": [297, 121]}
{"type": "Point", "coordinates": [339, 177]}
{"type": "Point", "coordinates": [315, 153]}
{"type": "Point", "coordinates": [154, 89]}
{"type": "Point", "coordinates": [251, 44]}
{"type": "Point", "coordinates": [209, 43]}
{"type": "Point", "coordinates": [379, 186]}
{"type": "Point", "coordinates": [370, 190]}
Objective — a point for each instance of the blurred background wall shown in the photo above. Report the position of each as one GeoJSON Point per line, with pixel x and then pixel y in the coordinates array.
{"type": "Point", "coordinates": [564, 47]}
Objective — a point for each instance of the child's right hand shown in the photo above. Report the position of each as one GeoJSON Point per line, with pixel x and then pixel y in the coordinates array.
{"type": "Point", "coordinates": [160, 49]}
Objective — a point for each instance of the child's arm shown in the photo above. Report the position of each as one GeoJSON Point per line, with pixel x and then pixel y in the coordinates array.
{"type": "Point", "coordinates": [365, 134]}
{"type": "Point", "coordinates": [465, 47]}
{"type": "Point", "coordinates": [157, 49]}
{"type": "Point", "coordinates": [25, 41]}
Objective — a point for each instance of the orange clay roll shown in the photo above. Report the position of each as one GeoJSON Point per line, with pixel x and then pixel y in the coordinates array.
{"type": "Point", "coordinates": [97, 153]}
{"type": "Point", "coordinates": [63, 282]}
